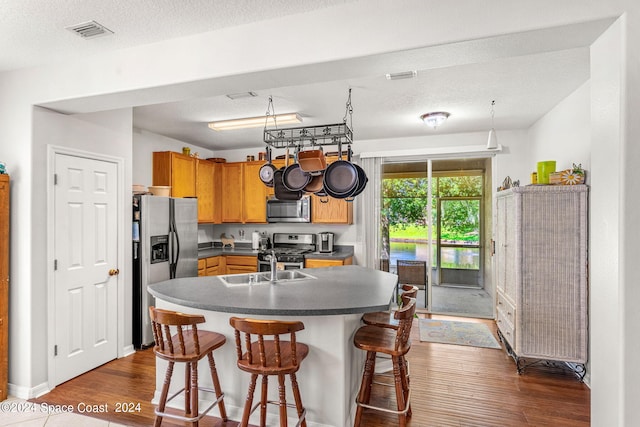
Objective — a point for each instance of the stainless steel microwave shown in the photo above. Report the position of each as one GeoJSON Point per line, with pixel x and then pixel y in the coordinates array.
{"type": "Point", "coordinates": [289, 210]}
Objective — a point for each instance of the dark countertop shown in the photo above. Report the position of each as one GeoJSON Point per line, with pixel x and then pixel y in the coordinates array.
{"type": "Point", "coordinates": [340, 252]}
{"type": "Point", "coordinates": [335, 290]}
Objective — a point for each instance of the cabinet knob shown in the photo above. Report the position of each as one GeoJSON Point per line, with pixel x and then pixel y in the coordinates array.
{"type": "Point", "coordinates": [114, 272]}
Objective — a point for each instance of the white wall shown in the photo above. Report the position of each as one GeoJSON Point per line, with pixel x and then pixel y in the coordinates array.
{"type": "Point", "coordinates": [145, 143]}
{"type": "Point", "coordinates": [564, 133]}
{"type": "Point", "coordinates": [107, 133]}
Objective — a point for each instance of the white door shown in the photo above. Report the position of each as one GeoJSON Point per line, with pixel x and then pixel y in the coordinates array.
{"type": "Point", "coordinates": [86, 271]}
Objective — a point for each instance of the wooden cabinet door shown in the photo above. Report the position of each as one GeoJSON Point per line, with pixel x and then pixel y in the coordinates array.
{"type": "Point", "coordinates": [205, 190]}
{"type": "Point", "coordinates": [317, 263]}
{"type": "Point", "coordinates": [240, 269]}
{"type": "Point", "coordinates": [232, 184]}
{"type": "Point", "coordinates": [176, 170]}
{"type": "Point", "coordinates": [255, 194]}
{"type": "Point", "coordinates": [241, 264]}
{"type": "Point", "coordinates": [327, 210]}
{"type": "Point", "coordinates": [202, 268]}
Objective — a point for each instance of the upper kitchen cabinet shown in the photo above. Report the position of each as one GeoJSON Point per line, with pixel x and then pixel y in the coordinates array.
{"type": "Point", "coordinates": [327, 210]}
{"type": "Point", "coordinates": [255, 194]}
{"type": "Point", "coordinates": [176, 170]}
{"type": "Point", "coordinates": [208, 191]}
{"type": "Point", "coordinates": [232, 194]}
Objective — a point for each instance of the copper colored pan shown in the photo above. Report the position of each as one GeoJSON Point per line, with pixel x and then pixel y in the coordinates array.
{"type": "Point", "coordinates": [312, 161]}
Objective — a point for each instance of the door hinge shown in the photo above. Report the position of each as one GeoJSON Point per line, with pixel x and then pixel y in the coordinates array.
{"type": "Point", "coordinates": [55, 265]}
{"type": "Point", "coordinates": [55, 179]}
{"type": "Point", "coordinates": [55, 350]}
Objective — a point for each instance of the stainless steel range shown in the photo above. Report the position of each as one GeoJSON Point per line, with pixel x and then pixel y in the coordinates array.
{"type": "Point", "coordinates": [289, 249]}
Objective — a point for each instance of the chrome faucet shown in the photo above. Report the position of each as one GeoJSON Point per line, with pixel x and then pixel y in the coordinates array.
{"type": "Point", "coordinates": [274, 265]}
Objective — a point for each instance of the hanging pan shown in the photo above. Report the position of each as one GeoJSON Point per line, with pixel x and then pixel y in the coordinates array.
{"type": "Point", "coordinates": [280, 191]}
{"type": "Point", "coordinates": [341, 177]}
{"type": "Point", "coordinates": [312, 161]}
{"type": "Point", "coordinates": [266, 171]}
{"type": "Point", "coordinates": [362, 183]}
{"type": "Point", "coordinates": [315, 184]}
{"type": "Point", "coordinates": [294, 178]}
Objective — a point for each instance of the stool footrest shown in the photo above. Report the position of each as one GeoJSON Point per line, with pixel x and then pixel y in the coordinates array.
{"type": "Point", "coordinates": [404, 411]}
{"type": "Point", "coordinates": [288, 405]}
{"type": "Point", "coordinates": [190, 419]}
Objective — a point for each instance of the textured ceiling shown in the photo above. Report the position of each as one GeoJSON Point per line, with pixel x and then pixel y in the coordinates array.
{"type": "Point", "coordinates": [527, 74]}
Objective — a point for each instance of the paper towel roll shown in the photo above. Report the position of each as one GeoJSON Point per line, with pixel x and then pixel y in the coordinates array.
{"type": "Point", "coordinates": [255, 240]}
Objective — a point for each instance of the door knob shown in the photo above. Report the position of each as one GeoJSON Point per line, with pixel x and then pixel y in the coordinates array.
{"type": "Point", "coordinates": [114, 272]}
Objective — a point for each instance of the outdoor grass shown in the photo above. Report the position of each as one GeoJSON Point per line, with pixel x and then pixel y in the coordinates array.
{"type": "Point", "coordinates": [419, 232]}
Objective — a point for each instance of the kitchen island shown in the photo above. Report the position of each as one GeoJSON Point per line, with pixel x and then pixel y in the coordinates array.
{"type": "Point", "coordinates": [329, 303]}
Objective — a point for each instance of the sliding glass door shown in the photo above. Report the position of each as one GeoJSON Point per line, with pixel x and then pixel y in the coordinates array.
{"type": "Point", "coordinates": [433, 211]}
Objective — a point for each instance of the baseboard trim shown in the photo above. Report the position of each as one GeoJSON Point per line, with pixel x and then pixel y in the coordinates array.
{"type": "Point", "coordinates": [26, 393]}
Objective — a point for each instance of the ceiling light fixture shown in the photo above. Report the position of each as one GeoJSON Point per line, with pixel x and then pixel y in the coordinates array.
{"type": "Point", "coordinates": [402, 75]}
{"type": "Point", "coordinates": [492, 141]}
{"type": "Point", "coordinates": [255, 122]}
{"type": "Point", "coordinates": [435, 118]}
{"type": "Point", "coordinates": [240, 95]}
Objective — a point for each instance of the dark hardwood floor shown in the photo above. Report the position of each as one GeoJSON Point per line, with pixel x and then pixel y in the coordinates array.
{"type": "Point", "coordinates": [451, 385]}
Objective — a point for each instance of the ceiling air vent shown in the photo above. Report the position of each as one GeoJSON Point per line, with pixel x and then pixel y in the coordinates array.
{"type": "Point", "coordinates": [90, 30]}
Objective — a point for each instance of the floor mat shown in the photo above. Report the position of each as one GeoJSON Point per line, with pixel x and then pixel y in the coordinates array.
{"type": "Point", "coordinates": [455, 332]}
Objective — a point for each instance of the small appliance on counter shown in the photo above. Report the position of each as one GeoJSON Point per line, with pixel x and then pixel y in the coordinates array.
{"type": "Point", "coordinates": [325, 242]}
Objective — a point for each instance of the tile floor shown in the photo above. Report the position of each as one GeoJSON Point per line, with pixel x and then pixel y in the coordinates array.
{"type": "Point", "coordinates": [18, 412]}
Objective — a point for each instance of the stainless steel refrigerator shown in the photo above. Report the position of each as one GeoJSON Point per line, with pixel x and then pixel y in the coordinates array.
{"type": "Point", "coordinates": [165, 246]}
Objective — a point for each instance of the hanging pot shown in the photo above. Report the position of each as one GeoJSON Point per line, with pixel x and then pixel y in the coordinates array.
{"type": "Point", "coordinates": [315, 184]}
{"type": "Point", "coordinates": [312, 161]}
{"type": "Point", "coordinates": [341, 177]}
{"type": "Point", "coordinates": [294, 178]}
{"type": "Point", "coordinates": [266, 171]}
{"type": "Point", "coordinates": [280, 190]}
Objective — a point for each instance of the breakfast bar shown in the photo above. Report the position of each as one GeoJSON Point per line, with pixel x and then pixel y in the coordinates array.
{"type": "Point", "coordinates": [329, 301]}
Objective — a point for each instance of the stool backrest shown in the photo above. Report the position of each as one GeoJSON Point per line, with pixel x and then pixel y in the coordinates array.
{"type": "Point", "coordinates": [409, 291]}
{"type": "Point", "coordinates": [260, 329]}
{"type": "Point", "coordinates": [165, 322]}
{"type": "Point", "coordinates": [404, 316]}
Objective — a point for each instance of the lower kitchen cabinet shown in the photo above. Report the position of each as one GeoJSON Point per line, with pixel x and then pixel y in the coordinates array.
{"type": "Point", "coordinates": [241, 264]}
{"type": "Point", "coordinates": [202, 267]}
{"type": "Point", "coordinates": [213, 265]}
{"type": "Point", "coordinates": [324, 262]}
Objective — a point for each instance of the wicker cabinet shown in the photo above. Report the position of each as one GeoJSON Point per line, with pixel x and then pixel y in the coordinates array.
{"type": "Point", "coordinates": [4, 284]}
{"type": "Point", "coordinates": [541, 273]}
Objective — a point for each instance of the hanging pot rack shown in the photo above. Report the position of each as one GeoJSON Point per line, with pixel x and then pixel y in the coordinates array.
{"type": "Point", "coordinates": [310, 136]}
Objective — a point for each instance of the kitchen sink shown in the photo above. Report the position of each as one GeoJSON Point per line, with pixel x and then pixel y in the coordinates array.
{"type": "Point", "coordinates": [249, 279]}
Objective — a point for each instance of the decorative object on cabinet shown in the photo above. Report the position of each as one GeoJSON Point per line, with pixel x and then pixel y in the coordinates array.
{"type": "Point", "coordinates": [545, 168]}
{"type": "Point", "coordinates": [573, 176]}
{"type": "Point", "coordinates": [506, 184]}
{"type": "Point", "coordinates": [226, 241]}
{"type": "Point", "coordinates": [541, 273]}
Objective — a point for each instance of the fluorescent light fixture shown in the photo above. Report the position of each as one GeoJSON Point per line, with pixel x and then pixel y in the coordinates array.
{"type": "Point", "coordinates": [254, 122]}
{"type": "Point", "coordinates": [434, 119]}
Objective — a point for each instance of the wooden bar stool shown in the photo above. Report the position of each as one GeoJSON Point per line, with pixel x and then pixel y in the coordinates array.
{"type": "Point", "coordinates": [270, 357]}
{"type": "Point", "coordinates": [188, 346]}
{"type": "Point", "coordinates": [395, 343]}
{"type": "Point", "coordinates": [386, 319]}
